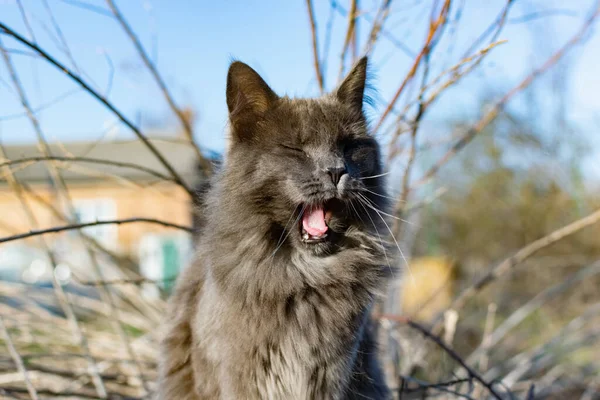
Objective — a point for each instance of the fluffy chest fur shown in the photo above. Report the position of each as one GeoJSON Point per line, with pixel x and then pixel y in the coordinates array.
{"type": "Point", "coordinates": [301, 346]}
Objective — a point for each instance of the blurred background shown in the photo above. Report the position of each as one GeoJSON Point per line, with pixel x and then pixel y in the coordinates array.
{"type": "Point", "coordinates": [113, 115]}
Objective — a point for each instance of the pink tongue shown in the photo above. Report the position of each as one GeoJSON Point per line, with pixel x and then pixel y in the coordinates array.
{"type": "Point", "coordinates": [313, 222]}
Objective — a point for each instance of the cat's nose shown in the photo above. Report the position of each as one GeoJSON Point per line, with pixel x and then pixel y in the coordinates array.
{"type": "Point", "coordinates": [336, 172]}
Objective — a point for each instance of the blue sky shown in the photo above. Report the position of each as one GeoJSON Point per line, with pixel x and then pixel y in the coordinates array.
{"type": "Point", "coordinates": [193, 42]}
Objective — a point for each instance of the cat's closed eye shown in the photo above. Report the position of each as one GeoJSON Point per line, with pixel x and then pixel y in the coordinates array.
{"type": "Point", "coordinates": [292, 148]}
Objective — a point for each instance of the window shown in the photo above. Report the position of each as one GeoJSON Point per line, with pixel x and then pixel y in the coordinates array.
{"type": "Point", "coordinates": [100, 209]}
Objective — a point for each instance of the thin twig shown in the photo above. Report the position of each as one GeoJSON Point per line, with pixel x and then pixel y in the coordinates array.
{"type": "Point", "coordinates": [72, 227]}
{"type": "Point", "coordinates": [497, 25]}
{"type": "Point", "coordinates": [42, 107]}
{"type": "Point", "coordinates": [432, 35]}
{"type": "Point", "coordinates": [378, 22]}
{"type": "Point", "coordinates": [26, 20]}
{"type": "Point", "coordinates": [17, 359]}
{"type": "Point", "coordinates": [315, 45]}
{"type": "Point", "coordinates": [439, 342]}
{"type": "Point", "coordinates": [403, 198]}
{"type": "Point", "coordinates": [456, 73]}
{"type": "Point", "coordinates": [89, 7]}
{"type": "Point", "coordinates": [61, 36]}
{"type": "Point", "coordinates": [72, 75]}
{"type": "Point", "coordinates": [497, 108]}
{"type": "Point", "coordinates": [185, 120]}
{"type": "Point", "coordinates": [85, 160]}
{"type": "Point", "coordinates": [59, 184]}
{"type": "Point", "coordinates": [524, 311]}
{"type": "Point", "coordinates": [520, 256]}
{"type": "Point", "coordinates": [137, 281]}
{"type": "Point", "coordinates": [352, 16]}
{"type": "Point", "coordinates": [384, 32]}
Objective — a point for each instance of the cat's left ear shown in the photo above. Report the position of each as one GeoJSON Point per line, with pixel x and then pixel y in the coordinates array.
{"type": "Point", "coordinates": [248, 97]}
{"type": "Point", "coordinates": [352, 90]}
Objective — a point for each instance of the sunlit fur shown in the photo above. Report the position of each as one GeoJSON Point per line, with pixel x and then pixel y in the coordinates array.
{"type": "Point", "coordinates": [260, 314]}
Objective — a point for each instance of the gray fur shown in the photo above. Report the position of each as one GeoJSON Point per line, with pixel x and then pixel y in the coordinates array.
{"type": "Point", "coordinates": [261, 314]}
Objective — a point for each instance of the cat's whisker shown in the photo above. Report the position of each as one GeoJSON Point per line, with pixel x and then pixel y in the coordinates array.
{"type": "Point", "coordinates": [281, 242]}
{"type": "Point", "coordinates": [371, 205]}
{"type": "Point", "coordinates": [380, 240]}
{"type": "Point", "coordinates": [285, 228]}
{"type": "Point", "coordinates": [375, 193]}
{"type": "Point", "coordinates": [395, 241]}
{"type": "Point", "coordinates": [375, 176]}
{"type": "Point", "coordinates": [356, 211]}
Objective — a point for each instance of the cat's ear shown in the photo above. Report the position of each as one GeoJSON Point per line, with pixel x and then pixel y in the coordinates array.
{"type": "Point", "coordinates": [248, 95]}
{"type": "Point", "coordinates": [352, 90]}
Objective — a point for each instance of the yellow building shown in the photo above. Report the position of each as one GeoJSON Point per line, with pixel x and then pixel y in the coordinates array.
{"type": "Point", "coordinates": [98, 191]}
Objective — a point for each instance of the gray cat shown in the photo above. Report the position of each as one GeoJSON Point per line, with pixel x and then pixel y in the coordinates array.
{"type": "Point", "coordinates": [290, 257]}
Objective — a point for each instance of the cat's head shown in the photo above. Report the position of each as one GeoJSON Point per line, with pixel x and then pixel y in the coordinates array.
{"type": "Point", "coordinates": [308, 165]}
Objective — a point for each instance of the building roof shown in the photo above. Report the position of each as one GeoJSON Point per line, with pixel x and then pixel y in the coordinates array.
{"type": "Point", "coordinates": [180, 155]}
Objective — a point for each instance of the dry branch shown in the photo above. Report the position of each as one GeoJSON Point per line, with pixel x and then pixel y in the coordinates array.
{"type": "Point", "coordinates": [378, 22]}
{"type": "Point", "coordinates": [61, 189]}
{"type": "Point", "coordinates": [185, 121]}
{"type": "Point", "coordinates": [18, 360]}
{"type": "Point", "coordinates": [498, 106]}
{"type": "Point", "coordinates": [384, 32]}
{"type": "Point", "coordinates": [315, 45]}
{"type": "Point", "coordinates": [350, 31]}
{"type": "Point", "coordinates": [71, 227]}
{"type": "Point", "coordinates": [440, 343]}
{"type": "Point", "coordinates": [524, 311]}
{"type": "Point", "coordinates": [435, 28]}
{"type": "Point", "coordinates": [463, 68]}
{"type": "Point", "coordinates": [520, 256]}
{"type": "Point", "coordinates": [85, 160]}
{"type": "Point", "coordinates": [496, 27]}
{"type": "Point", "coordinates": [59, 185]}
{"type": "Point", "coordinates": [75, 77]}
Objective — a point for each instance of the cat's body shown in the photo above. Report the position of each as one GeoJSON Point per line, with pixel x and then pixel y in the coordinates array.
{"type": "Point", "coordinates": [289, 259]}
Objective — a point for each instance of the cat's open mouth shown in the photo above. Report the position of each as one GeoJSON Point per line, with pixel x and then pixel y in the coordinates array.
{"type": "Point", "coordinates": [313, 226]}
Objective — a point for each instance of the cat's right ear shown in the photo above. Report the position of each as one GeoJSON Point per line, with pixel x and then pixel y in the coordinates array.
{"type": "Point", "coordinates": [248, 97]}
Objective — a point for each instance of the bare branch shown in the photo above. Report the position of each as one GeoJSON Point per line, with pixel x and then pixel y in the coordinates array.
{"type": "Point", "coordinates": [384, 32]}
{"type": "Point", "coordinates": [497, 108]}
{"type": "Point", "coordinates": [315, 45]}
{"type": "Point", "coordinates": [137, 281]}
{"type": "Point", "coordinates": [85, 160]}
{"type": "Point", "coordinates": [42, 107]}
{"type": "Point", "coordinates": [432, 35]}
{"type": "Point", "coordinates": [378, 22]}
{"type": "Point", "coordinates": [496, 27]}
{"type": "Point", "coordinates": [185, 121]}
{"type": "Point", "coordinates": [18, 360]}
{"type": "Point", "coordinates": [542, 14]}
{"type": "Point", "coordinates": [71, 227]}
{"type": "Point", "coordinates": [8, 31]}
{"type": "Point", "coordinates": [403, 198]}
{"type": "Point", "coordinates": [352, 15]}
{"type": "Point", "coordinates": [59, 184]}
{"type": "Point", "coordinates": [26, 20]}
{"type": "Point", "coordinates": [439, 342]}
{"type": "Point", "coordinates": [463, 68]}
{"type": "Point", "coordinates": [89, 7]}
{"type": "Point", "coordinates": [519, 257]}
{"type": "Point", "coordinates": [524, 311]}
{"type": "Point", "coordinates": [61, 36]}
